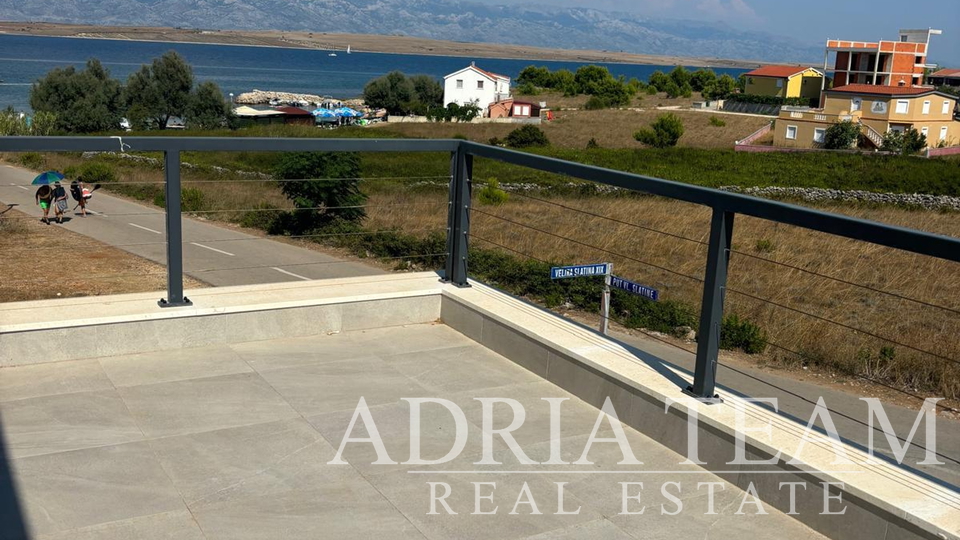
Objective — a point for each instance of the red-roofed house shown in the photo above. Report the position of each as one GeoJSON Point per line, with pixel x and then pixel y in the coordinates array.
{"type": "Point", "coordinates": [785, 82]}
{"type": "Point", "coordinates": [877, 109]}
{"type": "Point", "coordinates": [296, 115]}
{"type": "Point", "coordinates": [945, 77]}
{"type": "Point", "coordinates": [474, 85]}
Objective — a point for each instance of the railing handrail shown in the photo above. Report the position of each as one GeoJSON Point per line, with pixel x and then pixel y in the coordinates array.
{"type": "Point", "coordinates": [911, 240]}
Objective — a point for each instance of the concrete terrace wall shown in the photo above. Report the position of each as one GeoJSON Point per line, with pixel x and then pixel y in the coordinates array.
{"type": "Point", "coordinates": [425, 120]}
{"type": "Point", "coordinates": [941, 152]}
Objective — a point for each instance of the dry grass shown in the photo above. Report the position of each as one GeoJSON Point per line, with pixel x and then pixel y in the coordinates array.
{"type": "Point", "coordinates": [611, 128]}
{"type": "Point", "coordinates": [50, 261]}
{"type": "Point", "coordinates": [820, 343]}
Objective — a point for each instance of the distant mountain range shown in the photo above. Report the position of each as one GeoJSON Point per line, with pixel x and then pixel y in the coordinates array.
{"type": "Point", "coordinates": [571, 28]}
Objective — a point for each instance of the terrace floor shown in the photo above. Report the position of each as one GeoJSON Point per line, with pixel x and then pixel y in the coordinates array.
{"type": "Point", "coordinates": [233, 442]}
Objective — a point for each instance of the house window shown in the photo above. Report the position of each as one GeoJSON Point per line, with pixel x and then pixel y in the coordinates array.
{"type": "Point", "coordinates": [946, 107]}
{"type": "Point", "coordinates": [924, 131]}
{"type": "Point", "coordinates": [792, 132]}
{"type": "Point", "coordinates": [903, 106]}
{"type": "Point", "coordinates": [819, 135]}
{"type": "Point", "coordinates": [926, 107]}
{"type": "Point", "coordinates": [459, 84]}
{"type": "Point", "coordinates": [919, 60]}
{"type": "Point", "coordinates": [943, 133]}
{"type": "Point", "coordinates": [479, 85]}
{"type": "Point", "coordinates": [855, 104]}
{"type": "Point", "coordinates": [779, 83]}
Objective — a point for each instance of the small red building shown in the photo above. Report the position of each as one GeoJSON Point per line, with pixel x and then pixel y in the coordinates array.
{"type": "Point", "coordinates": [296, 115]}
{"type": "Point", "coordinates": [511, 108]}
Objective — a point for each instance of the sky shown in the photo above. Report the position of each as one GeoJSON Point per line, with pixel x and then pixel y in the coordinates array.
{"type": "Point", "coordinates": [810, 21]}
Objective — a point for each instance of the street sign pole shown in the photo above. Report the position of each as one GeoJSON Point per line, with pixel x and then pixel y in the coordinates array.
{"type": "Point", "coordinates": [605, 301]}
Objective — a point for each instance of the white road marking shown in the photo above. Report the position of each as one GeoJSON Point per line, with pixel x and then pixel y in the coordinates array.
{"type": "Point", "coordinates": [282, 271]}
{"type": "Point", "coordinates": [92, 212]}
{"type": "Point", "coordinates": [211, 249]}
{"type": "Point", "coordinates": [25, 188]}
{"type": "Point", "coordinates": [144, 228]}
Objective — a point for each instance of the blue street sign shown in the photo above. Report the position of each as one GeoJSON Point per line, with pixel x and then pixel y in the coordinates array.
{"type": "Point", "coordinates": [634, 288]}
{"type": "Point", "coordinates": [561, 272]}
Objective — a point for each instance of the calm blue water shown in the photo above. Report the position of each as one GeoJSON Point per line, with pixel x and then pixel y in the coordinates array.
{"type": "Point", "coordinates": [24, 59]}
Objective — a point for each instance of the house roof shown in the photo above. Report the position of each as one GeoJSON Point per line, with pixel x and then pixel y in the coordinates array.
{"type": "Point", "coordinates": [243, 110]}
{"type": "Point", "coordinates": [294, 111]}
{"type": "Point", "coordinates": [886, 90]}
{"type": "Point", "coordinates": [488, 74]}
{"type": "Point", "coordinates": [779, 72]}
{"type": "Point", "coordinates": [952, 73]}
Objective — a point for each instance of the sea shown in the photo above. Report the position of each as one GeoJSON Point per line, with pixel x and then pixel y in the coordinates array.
{"type": "Point", "coordinates": [238, 69]}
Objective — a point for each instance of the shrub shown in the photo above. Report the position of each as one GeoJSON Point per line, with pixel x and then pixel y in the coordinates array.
{"type": "Point", "coordinates": [97, 172]}
{"type": "Point", "coordinates": [596, 103]}
{"type": "Point", "coordinates": [907, 142]}
{"type": "Point", "coordinates": [716, 122]}
{"type": "Point", "coordinates": [527, 136]}
{"type": "Point", "coordinates": [664, 133]}
{"type": "Point", "coordinates": [651, 90]}
{"type": "Point", "coordinates": [592, 144]}
{"type": "Point", "coordinates": [496, 141]}
{"type": "Point", "coordinates": [841, 135]}
{"type": "Point", "coordinates": [31, 160]}
{"type": "Point", "coordinates": [737, 333]}
{"type": "Point", "coordinates": [764, 246]}
{"type": "Point", "coordinates": [491, 194]}
{"type": "Point", "coordinates": [327, 189]}
{"type": "Point", "coordinates": [191, 200]}
{"type": "Point", "coordinates": [262, 216]}
{"type": "Point", "coordinates": [527, 89]}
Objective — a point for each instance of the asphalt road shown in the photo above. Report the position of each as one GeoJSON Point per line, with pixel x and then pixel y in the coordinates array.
{"type": "Point", "coordinates": [213, 254]}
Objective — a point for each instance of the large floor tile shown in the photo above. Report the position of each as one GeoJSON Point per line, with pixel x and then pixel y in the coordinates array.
{"type": "Point", "coordinates": [406, 339]}
{"type": "Point", "coordinates": [175, 365]}
{"type": "Point", "coordinates": [51, 379]}
{"type": "Point", "coordinates": [340, 510]}
{"type": "Point", "coordinates": [197, 405]}
{"type": "Point", "coordinates": [411, 493]}
{"type": "Point", "coordinates": [300, 351]}
{"type": "Point", "coordinates": [337, 386]}
{"type": "Point", "coordinates": [458, 369]}
{"type": "Point", "coordinates": [71, 490]}
{"type": "Point", "coordinates": [49, 424]}
{"type": "Point", "coordinates": [593, 530]}
{"type": "Point", "coordinates": [257, 460]}
{"type": "Point", "coordinates": [178, 525]}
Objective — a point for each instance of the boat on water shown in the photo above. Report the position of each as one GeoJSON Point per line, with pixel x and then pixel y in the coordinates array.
{"type": "Point", "coordinates": [334, 53]}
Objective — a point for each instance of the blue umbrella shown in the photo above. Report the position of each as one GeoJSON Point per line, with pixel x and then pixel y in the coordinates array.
{"type": "Point", "coordinates": [324, 113]}
{"type": "Point", "coordinates": [348, 112]}
{"type": "Point", "coordinates": [48, 177]}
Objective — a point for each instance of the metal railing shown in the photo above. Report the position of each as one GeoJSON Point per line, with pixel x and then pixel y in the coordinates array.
{"type": "Point", "coordinates": [724, 206]}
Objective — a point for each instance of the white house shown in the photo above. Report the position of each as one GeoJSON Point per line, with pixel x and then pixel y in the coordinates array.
{"type": "Point", "coordinates": [472, 84]}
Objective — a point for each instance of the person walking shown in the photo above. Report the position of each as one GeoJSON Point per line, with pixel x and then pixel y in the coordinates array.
{"type": "Point", "coordinates": [80, 193]}
{"type": "Point", "coordinates": [44, 197]}
{"type": "Point", "coordinates": [59, 201]}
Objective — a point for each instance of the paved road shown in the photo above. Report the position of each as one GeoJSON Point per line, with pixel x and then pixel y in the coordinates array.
{"type": "Point", "coordinates": [213, 254]}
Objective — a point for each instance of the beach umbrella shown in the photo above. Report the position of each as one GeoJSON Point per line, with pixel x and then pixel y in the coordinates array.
{"type": "Point", "coordinates": [324, 113]}
{"type": "Point", "coordinates": [347, 112]}
{"type": "Point", "coordinates": [48, 177]}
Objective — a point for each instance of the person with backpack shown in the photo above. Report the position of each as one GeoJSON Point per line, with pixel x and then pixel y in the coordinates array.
{"type": "Point", "coordinates": [80, 193]}
{"type": "Point", "coordinates": [59, 201]}
{"type": "Point", "coordinates": [44, 197]}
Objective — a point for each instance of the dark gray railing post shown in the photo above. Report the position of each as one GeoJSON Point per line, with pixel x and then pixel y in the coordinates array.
{"type": "Point", "coordinates": [711, 309]}
{"type": "Point", "coordinates": [458, 218]}
{"type": "Point", "coordinates": [171, 171]}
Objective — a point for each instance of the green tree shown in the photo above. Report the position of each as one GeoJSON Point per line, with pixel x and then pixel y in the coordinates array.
{"type": "Point", "coordinates": [208, 109]}
{"type": "Point", "coordinates": [83, 101]}
{"type": "Point", "coordinates": [841, 135]}
{"type": "Point", "coordinates": [537, 76]}
{"type": "Point", "coordinates": [907, 142]}
{"type": "Point", "coordinates": [659, 80]}
{"type": "Point", "coordinates": [672, 89]}
{"type": "Point", "coordinates": [326, 190]}
{"type": "Point", "coordinates": [393, 92]}
{"type": "Point", "coordinates": [428, 91]}
{"type": "Point", "coordinates": [681, 76]}
{"type": "Point", "coordinates": [663, 133]}
{"type": "Point", "coordinates": [742, 83]}
{"type": "Point", "coordinates": [720, 88]}
{"type": "Point", "coordinates": [159, 91]}
{"type": "Point", "coordinates": [565, 81]}
{"type": "Point", "coordinates": [701, 78]}
{"type": "Point", "coordinates": [591, 78]}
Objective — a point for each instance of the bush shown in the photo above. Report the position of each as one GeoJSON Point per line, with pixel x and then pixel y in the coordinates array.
{"type": "Point", "coordinates": [737, 333]}
{"type": "Point", "coordinates": [907, 142]}
{"type": "Point", "coordinates": [716, 122]}
{"type": "Point", "coordinates": [592, 144]}
{"type": "Point", "coordinates": [527, 136]}
{"type": "Point", "coordinates": [841, 135]}
{"type": "Point", "coordinates": [262, 216]}
{"type": "Point", "coordinates": [527, 89]}
{"type": "Point", "coordinates": [31, 160]}
{"type": "Point", "coordinates": [491, 194]}
{"type": "Point", "coordinates": [764, 246]}
{"type": "Point", "coordinates": [327, 189]}
{"type": "Point", "coordinates": [596, 103]}
{"type": "Point", "coordinates": [496, 141]}
{"type": "Point", "coordinates": [664, 133]}
{"type": "Point", "coordinates": [97, 172]}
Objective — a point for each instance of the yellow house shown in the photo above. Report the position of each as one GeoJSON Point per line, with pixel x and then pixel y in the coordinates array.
{"type": "Point", "coordinates": [785, 82]}
{"type": "Point", "coordinates": [877, 109]}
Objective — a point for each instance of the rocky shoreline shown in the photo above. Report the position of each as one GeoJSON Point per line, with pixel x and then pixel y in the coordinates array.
{"type": "Point", "coordinates": [260, 97]}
